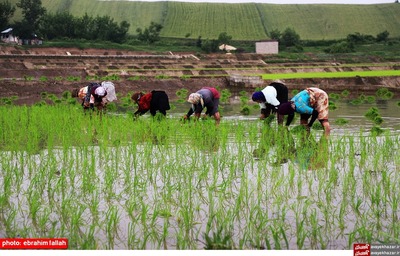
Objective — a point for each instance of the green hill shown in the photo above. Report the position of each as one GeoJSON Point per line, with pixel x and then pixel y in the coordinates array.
{"type": "Point", "coordinates": [246, 21]}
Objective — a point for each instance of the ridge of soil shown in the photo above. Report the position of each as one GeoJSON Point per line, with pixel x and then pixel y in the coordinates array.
{"type": "Point", "coordinates": [26, 74]}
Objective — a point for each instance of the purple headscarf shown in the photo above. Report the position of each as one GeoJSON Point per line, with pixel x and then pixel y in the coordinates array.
{"type": "Point", "coordinates": [258, 96]}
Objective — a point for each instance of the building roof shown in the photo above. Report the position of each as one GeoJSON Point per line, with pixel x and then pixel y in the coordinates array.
{"type": "Point", "coordinates": [8, 30]}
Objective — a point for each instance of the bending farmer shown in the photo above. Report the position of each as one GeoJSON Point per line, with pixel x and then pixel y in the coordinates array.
{"type": "Point", "coordinates": [270, 98]}
{"type": "Point", "coordinates": [311, 102]}
{"type": "Point", "coordinates": [207, 97]}
{"type": "Point", "coordinates": [153, 101]}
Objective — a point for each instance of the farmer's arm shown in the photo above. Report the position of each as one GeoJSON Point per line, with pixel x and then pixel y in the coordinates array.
{"type": "Point", "coordinates": [140, 112]}
{"type": "Point", "coordinates": [265, 112]}
{"type": "Point", "coordinates": [88, 93]}
{"type": "Point", "coordinates": [314, 116]}
{"type": "Point", "coordinates": [289, 119]}
{"type": "Point", "coordinates": [189, 113]}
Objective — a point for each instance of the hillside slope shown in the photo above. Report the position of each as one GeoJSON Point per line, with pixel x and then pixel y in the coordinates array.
{"type": "Point", "coordinates": [246, 21]}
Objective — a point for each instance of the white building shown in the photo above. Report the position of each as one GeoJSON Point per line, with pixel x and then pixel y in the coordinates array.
{"type": "Point", "coordinates": [8, 37]}
{"type": "Point", "coordinates": [267, 47]}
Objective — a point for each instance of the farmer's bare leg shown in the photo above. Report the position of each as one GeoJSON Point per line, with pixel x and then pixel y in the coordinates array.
{"type": "Point", "coordinates": [280, 118]}
{"type": "Point", "coordinates": [327, 127]}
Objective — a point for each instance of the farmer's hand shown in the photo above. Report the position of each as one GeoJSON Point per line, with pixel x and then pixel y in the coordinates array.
{"type": "Point", "coordinates": [86, 104]}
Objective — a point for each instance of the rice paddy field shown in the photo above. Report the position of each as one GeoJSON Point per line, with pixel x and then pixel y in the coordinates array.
{"type": "Point", "coordinates": [111, 182]}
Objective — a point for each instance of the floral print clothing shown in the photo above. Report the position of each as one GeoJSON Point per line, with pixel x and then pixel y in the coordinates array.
{"type": "Point", "coordinates": [312, 98]}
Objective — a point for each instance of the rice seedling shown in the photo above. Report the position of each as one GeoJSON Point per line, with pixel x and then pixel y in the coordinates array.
{"type": "Point", "coordinates": [334, 96]}
{"type": "Point", "coordinates": [341, 121]}
{"type": "Point", "coordinates": [384, 93]}
{"type": "Point", "coordinates": [148, 184]}
{"type": "Point", "coordinates": [225, 95]}
{"type": "Point", "coordinates": [73, 78]}
{"type": "Point", "coordinates": [182, 95]}
{"type": "Point", "coordinates": [373, 115]}
{"type": "Point", "coordinates": [43, 79]}
{"type": "Point", "coordinates": [345, 93]}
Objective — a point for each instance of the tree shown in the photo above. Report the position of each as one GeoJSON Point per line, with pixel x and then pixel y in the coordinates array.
{"type": "Point", "coordinates": [209, 46]}
{"type": "Point", "coordinates": [121, 32]}
{"type": "Point", "coordinates": [150, 34]}
{"type": "Point", "coordinates": [340, 47]}
{"type": "Point", "coordinates": [290, 38]}
{"type": "Point", "coordinates": [32, 11]}
{"type": "Point", "coordinates": [58, 25]}
{"type": "Point", "coordinates": [83, 27]}
{"type": "Point", "coordinates": [275, 34]}
{"type": "Point", "coordinates": [383, 36]}
{"type": "Point", "coordinates": [224, 38]}
{"type": "Point", "coordinates": [64, 25]}
{"type": "Point", "coordinates": [199, 42]}
{"type": "Point", "coordinates": [6, 12]}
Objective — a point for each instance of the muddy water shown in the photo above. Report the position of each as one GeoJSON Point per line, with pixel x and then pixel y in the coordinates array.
{"type": "Point", "coordinates": [174, 199]}
{"type": "Point", "coordinates": [354, 114]}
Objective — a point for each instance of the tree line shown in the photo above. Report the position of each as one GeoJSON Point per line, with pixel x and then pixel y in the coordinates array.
{"type": "Point", "coordinates": [36, 22]}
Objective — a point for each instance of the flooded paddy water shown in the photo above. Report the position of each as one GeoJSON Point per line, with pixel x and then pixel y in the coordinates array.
{"type": "Point", "coordinates": [118, 184]}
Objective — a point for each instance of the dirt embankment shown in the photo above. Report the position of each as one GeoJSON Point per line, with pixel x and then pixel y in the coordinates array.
{"type": "Point", "coordinates": [26, 74]}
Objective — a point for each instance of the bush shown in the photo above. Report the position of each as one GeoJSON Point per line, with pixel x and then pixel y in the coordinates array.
{"type": "Point", "coordinates": [341, 47]}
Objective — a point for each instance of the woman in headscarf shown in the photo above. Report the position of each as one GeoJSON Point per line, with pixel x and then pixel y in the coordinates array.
{"type": "Point", "coordinates": [207, 97]}
{"type": "Point", "coordinates": [153, 101]}
{"type": "Point", "coordinates": [110, 95]}
{"type": "Point", "coordinates": [270, 98]}
{"type": "Point", "coordinates": [311, 102]}
{"type": "Point", "coordinates": [96, 91]}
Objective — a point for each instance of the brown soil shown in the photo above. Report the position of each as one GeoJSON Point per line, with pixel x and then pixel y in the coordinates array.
{"type": "Point", "coordinates": [28, 73]}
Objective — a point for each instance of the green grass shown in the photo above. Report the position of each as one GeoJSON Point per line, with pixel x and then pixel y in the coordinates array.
{"type": "Point", "coordinates": [328, 21]}
{"type": "Point", "coordinates": [377, 73]}
{"type": "Point", "coordinates": [208, 20]}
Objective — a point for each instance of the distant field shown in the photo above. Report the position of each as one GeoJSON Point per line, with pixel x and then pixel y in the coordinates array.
{"type": "Point", "coordinates": [376, 73]}
{"type": "Point", "coordinates": [208, 20]}
{"type": "Point", "coordinates": [248, 21]}
{"type": "Point", "coordinates": [332, 21]}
